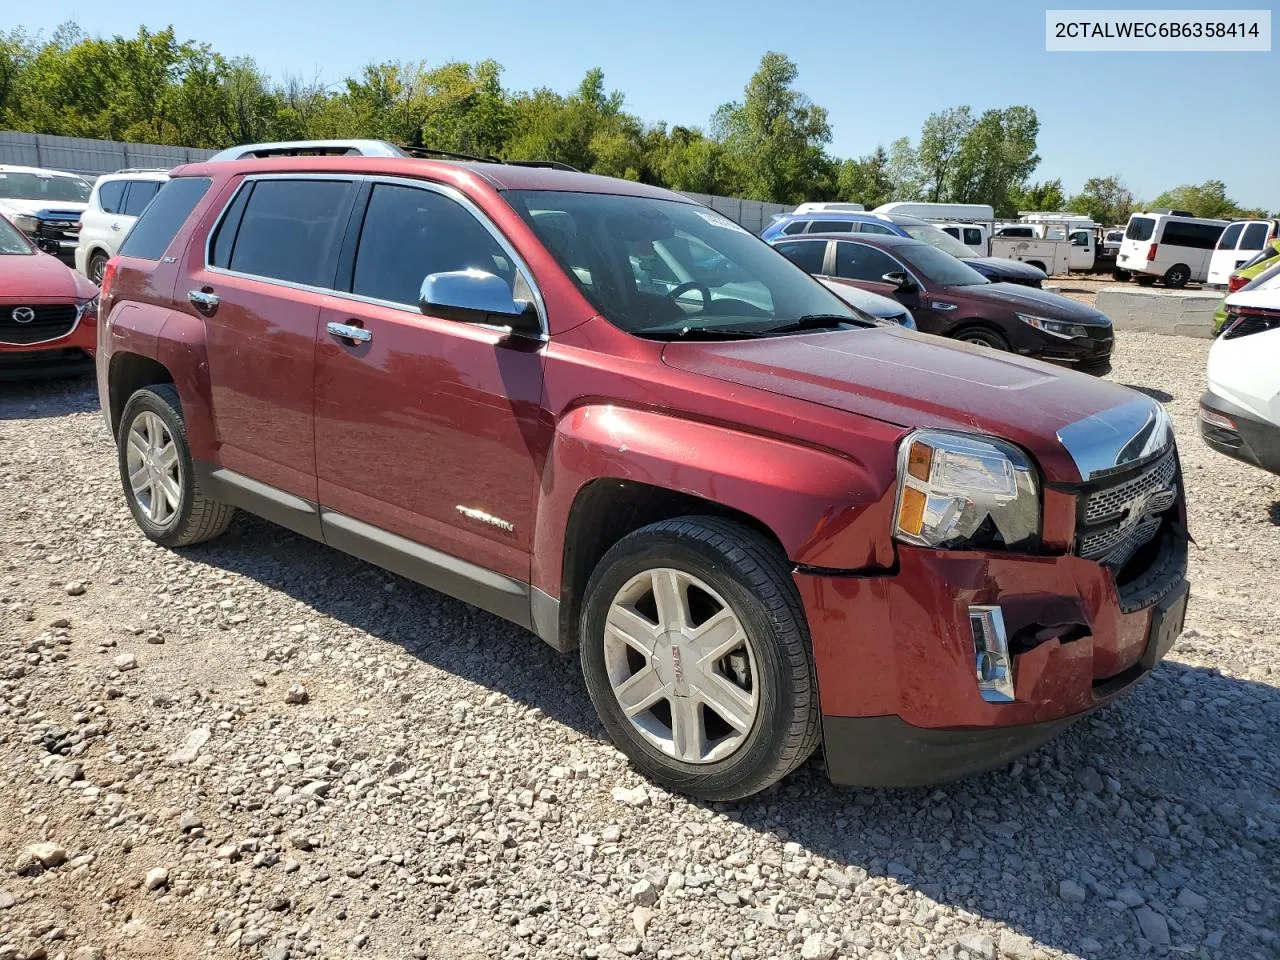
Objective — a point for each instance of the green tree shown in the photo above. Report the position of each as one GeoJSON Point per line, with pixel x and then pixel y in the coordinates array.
{"type": "Point", "coordinates": [866, 180]}
{"type": "Point", "coordinates": [774, 138]}
{"type": "Point", "coordinates": [1104, 200]}
{"type": "Point", "coordinates": [997, 156]}
{"type": "Point", "coordinates": [1208, 199]}
{"type": "Point", "coordinates": [942, 139]}
{"type": "Point", "coordinates": [1047, 196]}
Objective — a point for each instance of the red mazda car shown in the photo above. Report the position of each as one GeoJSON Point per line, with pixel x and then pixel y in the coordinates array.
{"type": "Point", "coordinates": [48, 312]}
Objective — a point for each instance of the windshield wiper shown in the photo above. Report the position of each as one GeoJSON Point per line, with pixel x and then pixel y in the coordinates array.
{"type": "Point", "coordinates": [715, 333]}
{"type": "Point", "coordinates": [817, 321]}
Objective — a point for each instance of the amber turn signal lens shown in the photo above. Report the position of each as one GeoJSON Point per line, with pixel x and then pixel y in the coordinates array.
{"type": "Point", "coordinates": [920, 460]}
{"type": "Point", "coordinates": [911, 511]}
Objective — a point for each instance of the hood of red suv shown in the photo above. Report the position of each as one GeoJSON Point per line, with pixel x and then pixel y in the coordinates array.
{"type": "Point", "coordinates": [41, 278]}
{"type": "Point", "coordinates": [916, 380]}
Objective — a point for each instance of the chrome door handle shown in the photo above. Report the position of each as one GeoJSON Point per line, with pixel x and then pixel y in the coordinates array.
{"type": "Point", "coordinates": [203, 299]}
{"type": "Point", "coordinates": [348, 332]}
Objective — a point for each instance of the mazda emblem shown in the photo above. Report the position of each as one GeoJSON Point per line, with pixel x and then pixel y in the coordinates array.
{"type": "Point", "coordinates": [22, 314]}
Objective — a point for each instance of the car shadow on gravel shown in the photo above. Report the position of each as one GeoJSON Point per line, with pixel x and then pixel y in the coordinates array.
{"type": "Point", "coordinates": [1273, 513]}
{"type": "Point", "coordinates": [44, 399]}
{"type": "Point", "coordinates": [1162, 791]}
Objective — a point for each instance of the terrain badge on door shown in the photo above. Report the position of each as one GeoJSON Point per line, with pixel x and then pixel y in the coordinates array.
{"type": "Point", "coordinates": [474, 513]}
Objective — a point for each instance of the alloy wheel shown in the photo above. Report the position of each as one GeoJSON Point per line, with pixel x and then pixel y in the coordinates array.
{"type": "Point", "coordinates": [155, 470]}
{"type": "Point", "coordinates": [681, 666]}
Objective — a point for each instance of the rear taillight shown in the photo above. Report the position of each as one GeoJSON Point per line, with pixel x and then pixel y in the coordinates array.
{"type": "Point", "coordinates": [108, 275]}
{"type": "Point", "coordinates": [1235, 282]}
{"type": "Point", "coordinates": [1151, 251]}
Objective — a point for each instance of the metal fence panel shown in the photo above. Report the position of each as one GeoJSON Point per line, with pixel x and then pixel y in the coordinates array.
{"type": "Point", "coordinates": [92, 158]}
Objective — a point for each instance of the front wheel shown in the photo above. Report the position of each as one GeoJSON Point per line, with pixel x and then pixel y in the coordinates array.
{"type": "Point", "coordinates": [981, 337]}
{"type": "Point", "coordinates": [159, 479]}
{"type": "Point", "coordinates": [696, 655]}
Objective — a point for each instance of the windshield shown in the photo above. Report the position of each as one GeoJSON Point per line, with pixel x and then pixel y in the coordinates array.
{"type": "Point", "coordinates": [11, 241]}
{"type": "Point", "coordinates": [940, 267]}
{"type": "Point", "coordinates": [936, 238]}
{"type": "Point", "coordinates": [43, 186]}
{"type": "Point", "coordinates": [662, 268]}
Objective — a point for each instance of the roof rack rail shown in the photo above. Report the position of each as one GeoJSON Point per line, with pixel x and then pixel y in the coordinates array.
{"type": "Point", "coordinates": [549, 164]}
{"type": "Point", "coordinates": [310, 148]}
{"type": "Point", "coordinates": [140, 170]}
{"type": "Point", "coordinates": [426, 152]}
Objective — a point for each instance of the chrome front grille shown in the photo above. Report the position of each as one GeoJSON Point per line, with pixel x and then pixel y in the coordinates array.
{"type": "Point", "coordinates": [1118, 520]}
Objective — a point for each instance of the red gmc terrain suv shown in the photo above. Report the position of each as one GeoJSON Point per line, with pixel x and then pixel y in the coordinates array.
{"type": "Point", "coordinates": [612, 416]}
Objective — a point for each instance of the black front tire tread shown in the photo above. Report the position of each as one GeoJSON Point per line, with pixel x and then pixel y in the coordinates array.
{"type": "Point", "coordinates": [766, 572]}
{"type": "Point", "coordinates": [206, 518]}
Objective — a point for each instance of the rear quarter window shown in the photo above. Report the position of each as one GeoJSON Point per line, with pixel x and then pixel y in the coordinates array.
{"type": "Point", "coordinates": [110, 194]}
{"type": "Point", "coordinates": [164, 217]}
{"type": "Point", "coordinates": [1196, 236]}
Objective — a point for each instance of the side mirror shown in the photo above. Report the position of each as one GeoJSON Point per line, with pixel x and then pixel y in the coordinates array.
{"type": "Point", "coordinates": [900, 279]}
{"type": "Point", "coordinates": [477, 296]}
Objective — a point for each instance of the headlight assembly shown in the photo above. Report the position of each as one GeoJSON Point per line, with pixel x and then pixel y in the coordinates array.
{"type": "Point", "coordinates": [1057, 328]}
{"type": "Point", "coordinates": [961, 491]}
{"type": "Point", "coordinates": [26, 223]}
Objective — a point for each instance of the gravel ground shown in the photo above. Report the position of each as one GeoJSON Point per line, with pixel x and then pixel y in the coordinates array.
{"type": "Point", "coordinates": [260, 747]}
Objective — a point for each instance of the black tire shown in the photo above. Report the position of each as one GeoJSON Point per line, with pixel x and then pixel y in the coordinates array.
{"type": "Point", "coordinates": [981, 336]}
{"type": "Point", "coordinates": [96, 266]}
{"type": "Point", "coordinates": [753, 576]}
{"type": "Point", "coordinates": [197, 518]}
{"type": "Point", "coordinates": [1121, 276]}
{"type": "Point", "coordinates": [1145, 279]}
{"type": "Point", "coordinates": [1039, 266]}
{"type": "Point", "coordinates": [1177, 276]}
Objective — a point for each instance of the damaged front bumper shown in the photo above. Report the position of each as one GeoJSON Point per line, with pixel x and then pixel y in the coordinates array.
{"type": "Point", "coordinates": [912, 688]}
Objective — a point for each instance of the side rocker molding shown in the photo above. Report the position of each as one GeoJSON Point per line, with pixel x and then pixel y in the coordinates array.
{"type": "Point", "coordinates": [471, 584]}
{"type": "Point", "coordinates": [295, 513]}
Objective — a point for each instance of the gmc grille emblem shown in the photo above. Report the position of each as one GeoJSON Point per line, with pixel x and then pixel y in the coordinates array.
{"type": "Point", "coordinates": [22, 314]}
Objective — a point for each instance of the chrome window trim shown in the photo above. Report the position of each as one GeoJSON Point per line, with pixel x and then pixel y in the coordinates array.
{"type": "Point", "coordinates": [451, 193]}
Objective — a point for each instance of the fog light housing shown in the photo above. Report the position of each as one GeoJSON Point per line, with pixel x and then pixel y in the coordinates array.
{"type": "Point", "coordinates": [993, 666]}
{"type": "Point", "coordinates": [1215, 419]}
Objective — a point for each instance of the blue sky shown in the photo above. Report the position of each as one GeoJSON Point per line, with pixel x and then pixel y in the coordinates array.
{"type": "Point", "coordinates": [1157, 119]}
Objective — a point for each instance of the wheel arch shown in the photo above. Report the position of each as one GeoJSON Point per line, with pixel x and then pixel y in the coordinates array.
{"type": "Point", "coordinates": [127, 374]}
{"type": "Point", "coordinates": [613, 470]}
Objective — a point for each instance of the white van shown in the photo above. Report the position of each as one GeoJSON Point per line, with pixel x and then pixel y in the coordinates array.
{"type": "Point", "coordinates": [1166, 246]}
{"type": "Point", "coordinates": [1240, 242]}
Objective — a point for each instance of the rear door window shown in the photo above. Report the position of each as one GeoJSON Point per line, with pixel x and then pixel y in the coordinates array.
{"type": "Point", "coordinates": [290, 230]}
{"type": "Point", "coordinates": [155, 230]}
{"type": "Point", "coordinates": [1230, 237]}
{"type": "Point", "coordinates": [1140, 228]}
{"type": "Point", "coordinates": [805, 254]}
{"type": "Point", "coordinates": [110, 195]}
{"type": "Point", "coordinates": [139, 194]}
{"type": "Point", "coordinates": [1255, 236]}
{"type": "Point", "coordinates": [876, 228]}
{"type": "Point", "coordinates": [410, 232]}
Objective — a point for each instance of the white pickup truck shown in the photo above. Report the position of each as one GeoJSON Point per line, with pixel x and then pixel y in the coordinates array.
{"type": "Point", "coordinates": [1045, 247]}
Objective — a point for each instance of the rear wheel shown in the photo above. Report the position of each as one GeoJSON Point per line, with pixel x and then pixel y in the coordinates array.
{"type": "Point", "coordinates": [696, 655]}
{"type": "Point", "coordinates": [97, 266]}
{"type": "Point", "coordinates": [1177, 275]}
{"type": "Point", "coordinates": [1121, 276]}
{"type": "Point", "coordinates": [981, 337]}
{"type": "Point", "coordinates": [159, 479]}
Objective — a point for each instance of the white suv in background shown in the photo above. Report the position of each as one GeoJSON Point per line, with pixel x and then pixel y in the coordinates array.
{"type": "Point", "coordinates": [117, 200]}
{"type": "Point", "coordinates": [1240, 412]}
